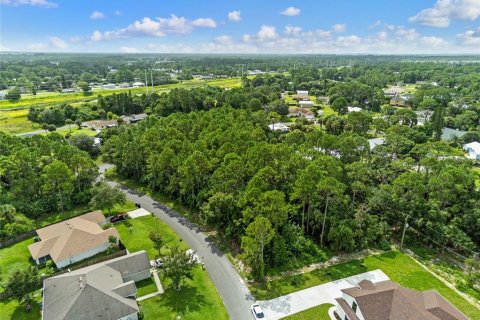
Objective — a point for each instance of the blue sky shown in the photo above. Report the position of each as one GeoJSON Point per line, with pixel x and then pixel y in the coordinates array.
{"type": "Point", "coordinates": [222, 26]}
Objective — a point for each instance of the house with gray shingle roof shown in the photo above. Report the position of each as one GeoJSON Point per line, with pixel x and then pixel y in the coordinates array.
{"type": "Point", "coordinates": [388, 300]}
{"type": "Point", "coordinates": [104, 290]}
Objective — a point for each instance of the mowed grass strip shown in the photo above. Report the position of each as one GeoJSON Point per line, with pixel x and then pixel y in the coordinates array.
{"type": "Point", "coordinates": [398, 266]}
{"type": "Point", "coordinates": [198, 299]}
{"type": "Point", "coordinates": [316, 313]}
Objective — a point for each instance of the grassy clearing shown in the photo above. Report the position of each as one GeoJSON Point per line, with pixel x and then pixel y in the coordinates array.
{"type": "Point", "coordinates": [398, 266]}
{"type": "Point", "coordinates": [15, 257]}
{"type": "Point", "coordinates": [50, 98]}
{"type": "Point", "coordinates": [316, 313]}
{"type": "Point", "coordinates": [198, 299]}
{"type": "Point", "coordinates": [16, 121]}
{"type": "Point", "coordinates": [74, 131]}
{"type": "Point", "coordinates": [11, 309]}
{"type": "Point", "coordinates": [136, 237]}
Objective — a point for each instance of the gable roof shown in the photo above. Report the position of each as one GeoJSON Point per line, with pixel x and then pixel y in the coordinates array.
{"type": "Point", "coordinates": [474, 146]}
{"type": "Point", "coordinates": [71, 237]}
{"type": "Point", "coordinates": [94, 292]}
{"type": "Point", "coordinates": [389, 300]}
{"type": "Point", "coordinates": [449, 133]}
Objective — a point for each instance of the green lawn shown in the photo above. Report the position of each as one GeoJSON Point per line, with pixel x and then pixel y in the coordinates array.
{"type": "Point", "coordinates": [316, 313]}
{"type": "Point", "coordinates": [398, 266]}
{"type": "Point", "coordinates": [11, 309]}
{"type": "Point", "coordinates": [146, 286]}
{"type": "Point", "coordinates": [14, 257]}
{"type": "Point", "coordinates": [136, 237]}
{"type": "Point", "coordinates": [197, 300]}
{"type": "Point", "coordinates": [74, 131]}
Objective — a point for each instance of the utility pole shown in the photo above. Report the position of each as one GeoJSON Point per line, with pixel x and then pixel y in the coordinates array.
{"type": "Point", "coordinates": [403, 234]}
{"type": "Point", "coordinates": [146, 81]}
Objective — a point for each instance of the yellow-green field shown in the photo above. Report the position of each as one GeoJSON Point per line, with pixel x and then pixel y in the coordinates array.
{"type": "Point", "coordinates": [15, 121]}
{"type": "Point", "coordinates": [49, 98]}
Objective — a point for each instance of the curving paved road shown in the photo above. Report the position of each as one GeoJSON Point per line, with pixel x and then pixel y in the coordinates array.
{"type": "Point", "coordinates": [231, 287]}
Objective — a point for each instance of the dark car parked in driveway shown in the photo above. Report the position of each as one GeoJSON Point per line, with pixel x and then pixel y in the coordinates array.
{"type": "Point", "coordinates": [117, 218]}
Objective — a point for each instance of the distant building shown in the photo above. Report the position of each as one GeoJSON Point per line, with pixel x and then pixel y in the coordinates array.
{"type": "Point", "coordinates": [109, 86]}
{"type": "Point", "coordinates": [301, 112]}
{"type": "Point", "coordinates": [354, 109]}
{"type": "Point", "coordinates": [72, 240]}
{"type": "Point", "coordinates": [393, 91]}
{"type": "Point", "coordinates": [279, 126]}
{"type": "Point", "coordinates": [138, 84]}
{"type": "Point", "coordinates": [104, 290]}
{"type": "Point", "coordinates": [450, 134]}
{"type": "Point", "coordinates": [375, 142]}
{"type": "Point", "coordinates": [305, 104]}
{"type": "Point", "coordinates": [473, 150]}
{"type": "Point", "coordinates": [2, 95]}
{"type": "Point", "coordinates": [68, 90]}
{"type": "Point", "coordinates": [388, 300]}
{"type": "Point", "coordinates": [101, 124]}
{"type": "Point", "coordinates": [302, 93]}
{"type": "Point", "coordinates": [324, 99]}
{"type": "Point", "coordinates": [134, 118]}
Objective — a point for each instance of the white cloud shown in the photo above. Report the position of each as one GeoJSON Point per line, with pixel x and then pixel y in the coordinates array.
{"type": "Point", "coordinates": [204, 22]}
{"type": "Point", "coordinates": [129, 50]}
{"type": "Point", "coordinates": [58, 43]}
{"type": "Point", "coordinates": [118, 13]}
{"type": "Point", "coordinates": [348, 41]}
{"type": "Point", "coordinates": [290, 12]}
{"type": "Point", "coordinates": [407, 34]}
{"type": "Point", "coordinates": [267, 33]}
{"type": "Point", "coordinates": [339, 27]}
{"type": "Point", "coordinates": [444, 12]}
{"type": "Point", "coordinates": [234, 16]}
{"type": "Point", "coordinates": [433, 41]}
{"type": "Point", "coordinates": [292, 30]}
{"type": "Point", "coordinates": [75, 39]}
{"type": "Point", "coordinates": [38, 46]}
{"type": "Point", "coordinates": [470, 38]}
{"type": "Point", "coordinates": [382, 35]}
{"type": "Point", "coordinates": [223, 39]}
{"type": "Point", "coordinates": [4, 48]}
{"type": "Point", "coordinates": [97, 15]}
{"type": "Point", "coordinates": [96, 36]}
{"type": "Point", "coordinates": [158, 27]}
{"type": "Point", "coordinates": [35, 3]}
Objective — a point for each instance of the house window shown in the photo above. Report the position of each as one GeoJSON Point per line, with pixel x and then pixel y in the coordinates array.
{"type": "Point", "coordinates": [354, 306]}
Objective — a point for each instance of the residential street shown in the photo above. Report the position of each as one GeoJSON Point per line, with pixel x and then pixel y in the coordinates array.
{"type": "Point", "coordinates": [325, 293]}
{"type": "Point", "coordinates": [231, 287]}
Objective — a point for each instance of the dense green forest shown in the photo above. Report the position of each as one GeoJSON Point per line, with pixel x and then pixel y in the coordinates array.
{"type": "Point", "coordinates": [284, 199]}
{"type": "Point", "coordinates": [303, 187]}
{"type": "Point", "coordinates": [38, 176]}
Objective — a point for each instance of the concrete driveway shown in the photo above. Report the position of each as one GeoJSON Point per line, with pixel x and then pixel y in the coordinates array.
{"type": "Point", "coordinates": [325, 293]}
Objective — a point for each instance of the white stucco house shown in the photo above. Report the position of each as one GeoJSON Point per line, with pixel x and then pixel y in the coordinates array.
{"type": "Point", "coordinates": [473, 150]}
{"type": "Point", "coordinates": [72, 240]}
